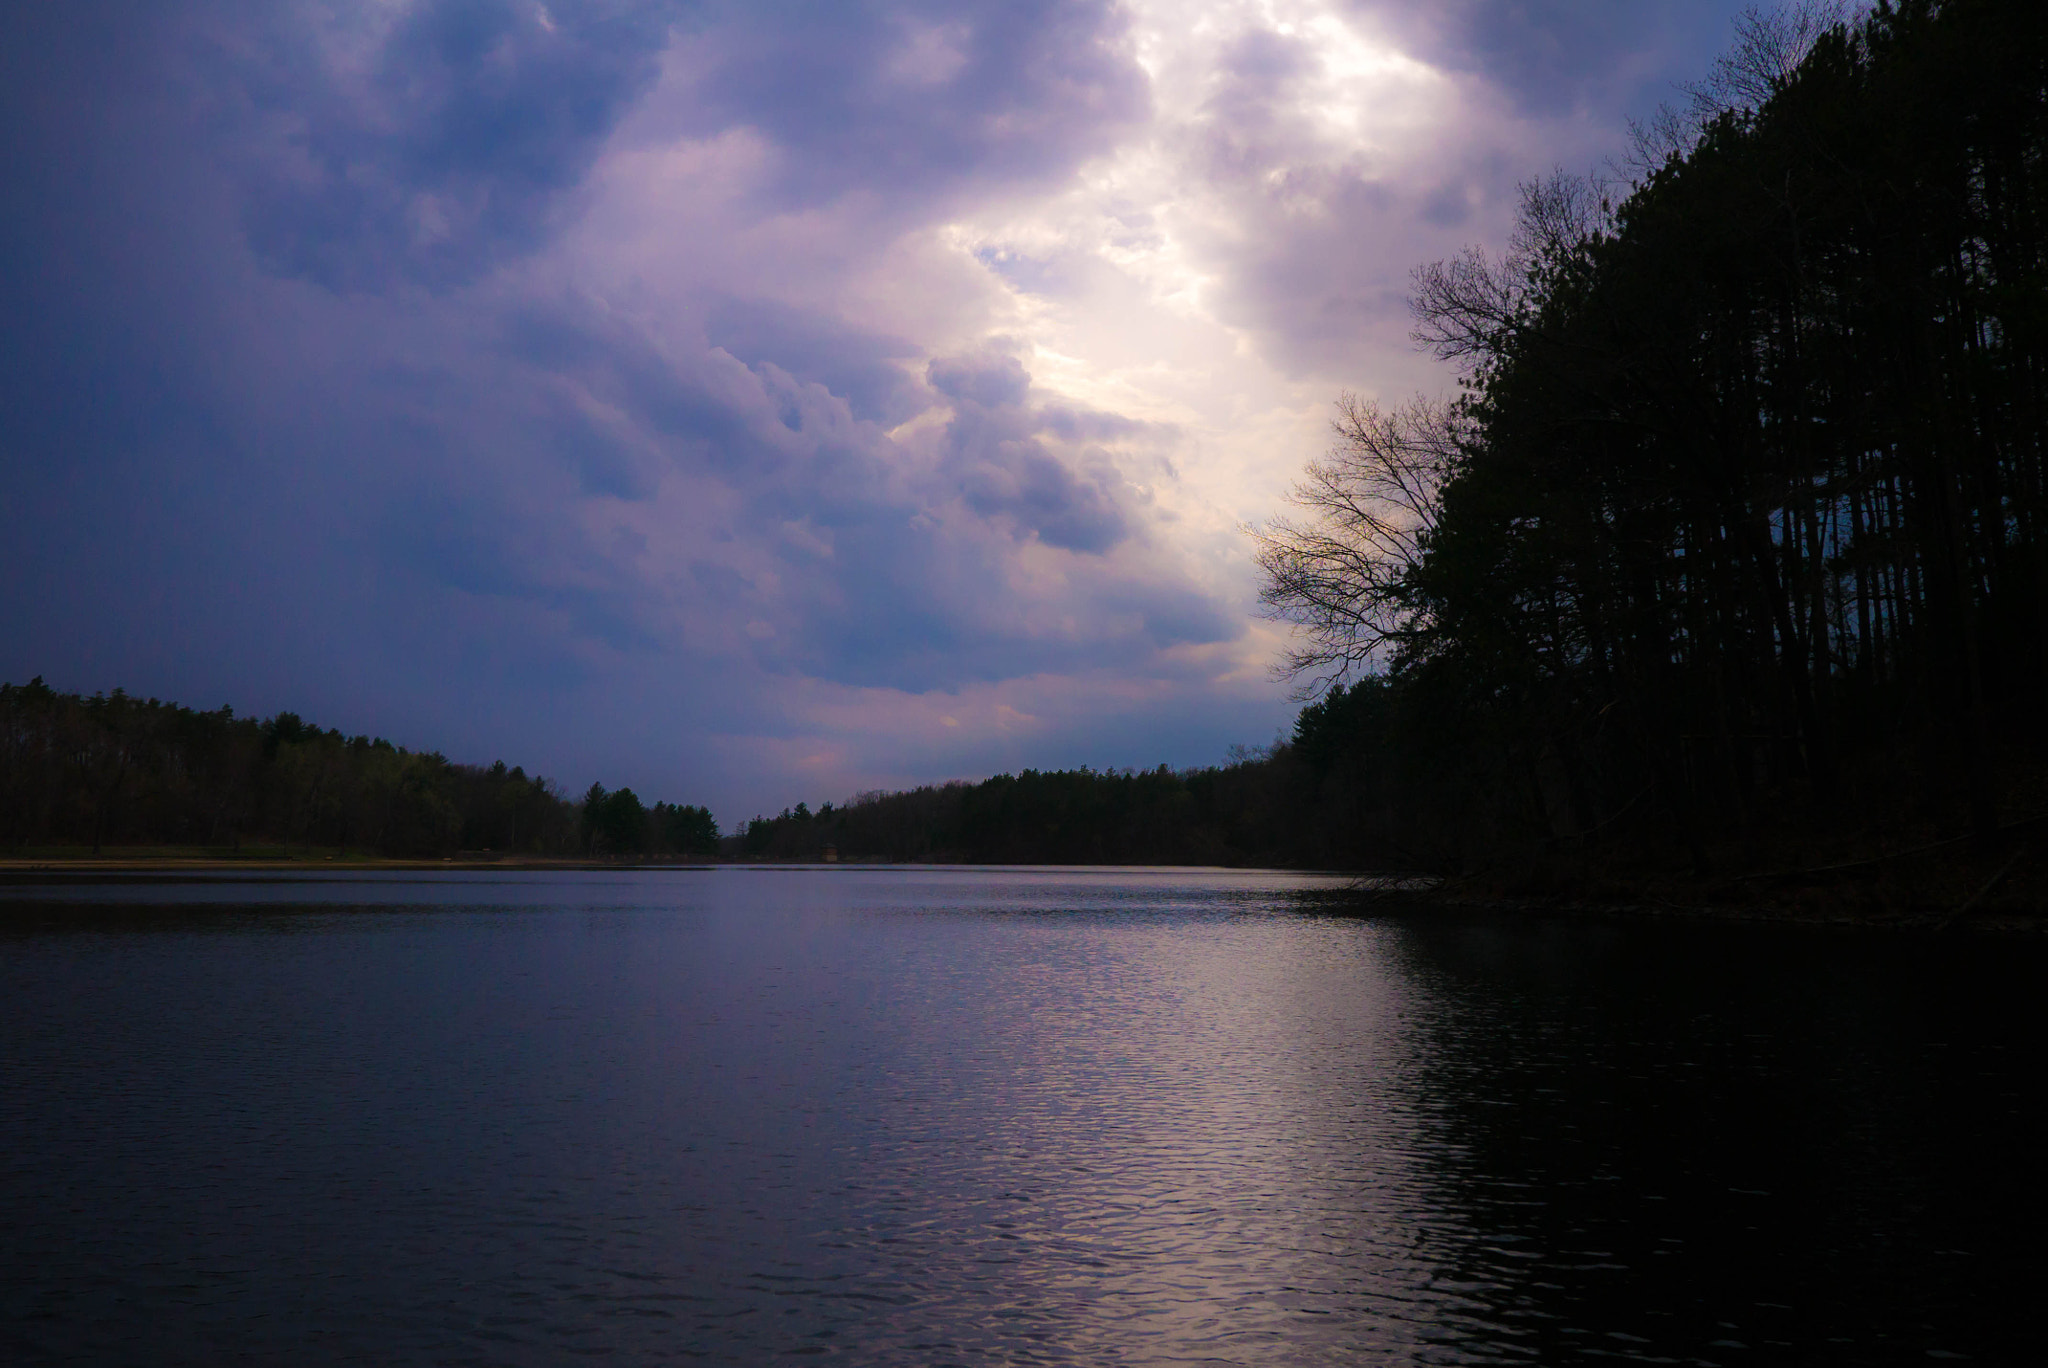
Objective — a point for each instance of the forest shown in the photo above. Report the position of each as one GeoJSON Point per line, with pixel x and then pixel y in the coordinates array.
{"type": "Point", "coordinates": [115, 773]}
{"type": "Point", "coordinates": [79, 773]}
{"type": "Point", "coordinates": [1733, 542]}
{"type": "Point", "coordinates": [1291, 804]}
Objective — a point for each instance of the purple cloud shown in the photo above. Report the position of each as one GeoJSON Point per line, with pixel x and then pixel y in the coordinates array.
{"type": "Point", "coordinates": [430, 144]}
{"type": "Point", "coordinates": [740, 402]}
{"type": "Point", "coordinates": [914, 100]}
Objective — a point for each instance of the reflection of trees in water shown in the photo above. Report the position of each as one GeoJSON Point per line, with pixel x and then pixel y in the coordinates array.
{"type": "Point", "coordinates": [1366, 1235]}
{"type": "Point", "coordinates": [37, 917]}
{"type": "Point", "coordinates": [1668, 1141]}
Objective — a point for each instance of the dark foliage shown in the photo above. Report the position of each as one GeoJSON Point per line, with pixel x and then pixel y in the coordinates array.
{"type": "Point", "coordinates": [1748, 531]}
{"type": "Point", "coordinates": [116, 770]}
{"type": "Point", "coordinates": [618, 823]}
{"type": "Point", "coordinates": [1298, 804]}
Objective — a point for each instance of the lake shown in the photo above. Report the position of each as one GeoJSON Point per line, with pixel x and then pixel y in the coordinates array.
{"type": "Point", "coordinates": [972, 1116]}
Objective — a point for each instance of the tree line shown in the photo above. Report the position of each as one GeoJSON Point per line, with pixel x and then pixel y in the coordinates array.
{"type": "Point", "coordinates": [617, 822]}
{"type": "Point", "coordinates": [1295, 803]}
{"type": "Point", "coordinates": [116, 770]}
{"type": "Point", "coordinates": [1739, 517]}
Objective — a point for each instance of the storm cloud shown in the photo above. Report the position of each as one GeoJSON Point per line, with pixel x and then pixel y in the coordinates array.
{"type": "Point", "coordinates": [745, 403]}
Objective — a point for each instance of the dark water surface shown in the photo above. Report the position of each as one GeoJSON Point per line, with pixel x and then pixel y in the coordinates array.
{"type": "Point", "coordinates": [964, 1116]}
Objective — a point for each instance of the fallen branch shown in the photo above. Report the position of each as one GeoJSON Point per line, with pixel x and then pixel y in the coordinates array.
{"type": "Point", "coordinates": [1874, 860]}
{"type": "Point", "coordinates": [1582, 835]}
{"type": "Point", "coordinates": [1952, 918]}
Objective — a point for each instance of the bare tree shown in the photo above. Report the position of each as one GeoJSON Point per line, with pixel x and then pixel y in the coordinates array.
{"type": "Point", "coordinates": [1341, 572]}
{"type": "Point", "coordinates": [1469, 306]}
{"type": "Point", "coordinates": [1769, 46]}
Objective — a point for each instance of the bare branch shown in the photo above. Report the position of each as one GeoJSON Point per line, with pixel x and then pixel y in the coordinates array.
{"type": "Point", "coordinates": [1464, 306]}
{"type": "Point", "coordinates": [1769, 46]}
{"type": "Point", "coordinates": [1559, 216]}
{"type": "Point", "coordinates": [1342, 571]}
{"type": "Point", "coordinates": [1469, 307]}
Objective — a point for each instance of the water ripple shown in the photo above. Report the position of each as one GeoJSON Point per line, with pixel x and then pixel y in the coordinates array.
{"type": "Point", "coordinates": [975, 1117]}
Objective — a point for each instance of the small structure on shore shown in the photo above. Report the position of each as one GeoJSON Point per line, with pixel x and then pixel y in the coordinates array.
{"type": "Point", "coordinates": [831, 854]}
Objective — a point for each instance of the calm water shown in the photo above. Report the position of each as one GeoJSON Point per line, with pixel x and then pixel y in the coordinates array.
{"type": "Point", "coordinates": [973, 1117]}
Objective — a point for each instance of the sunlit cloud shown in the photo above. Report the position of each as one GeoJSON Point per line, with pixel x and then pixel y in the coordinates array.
{"type": "Point", "coordinates": [742, 404]}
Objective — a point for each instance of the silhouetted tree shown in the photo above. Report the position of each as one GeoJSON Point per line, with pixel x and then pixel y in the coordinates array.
{"type": "Point", "coordinates": [1746, 502]}
{"type": "Point", "coordinates": [114, 769]}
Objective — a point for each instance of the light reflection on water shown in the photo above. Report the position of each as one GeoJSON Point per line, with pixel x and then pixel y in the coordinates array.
{"type": "Point", "coordinates": [972, 1116]}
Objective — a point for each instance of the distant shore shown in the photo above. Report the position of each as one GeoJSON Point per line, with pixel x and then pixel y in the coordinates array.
{"type": "Point", "coordinates": [227, 864]}
{"type": "Point", "coordinates": [215, 863]}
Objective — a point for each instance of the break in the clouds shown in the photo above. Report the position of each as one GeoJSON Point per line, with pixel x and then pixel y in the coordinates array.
{"type": "Point", "coordinates": [743, 402]}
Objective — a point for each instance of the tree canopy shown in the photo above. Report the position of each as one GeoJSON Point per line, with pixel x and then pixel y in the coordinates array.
{"type": "Point", "coordinates": [114, 769]}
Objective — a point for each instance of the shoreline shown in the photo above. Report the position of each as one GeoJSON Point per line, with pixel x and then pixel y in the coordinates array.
{"type": "Point", "coordinates": [1618, 905]}
{"type": "Point", "coordinates": [204, 865]}
{"type": "Point", "coordinates": [1761, 912]}
{"type": "Point", "coordinates": [210, 864]}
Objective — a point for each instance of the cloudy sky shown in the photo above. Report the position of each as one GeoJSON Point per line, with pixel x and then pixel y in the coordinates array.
{"type": "Point", "coordinates": [743, 402]}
